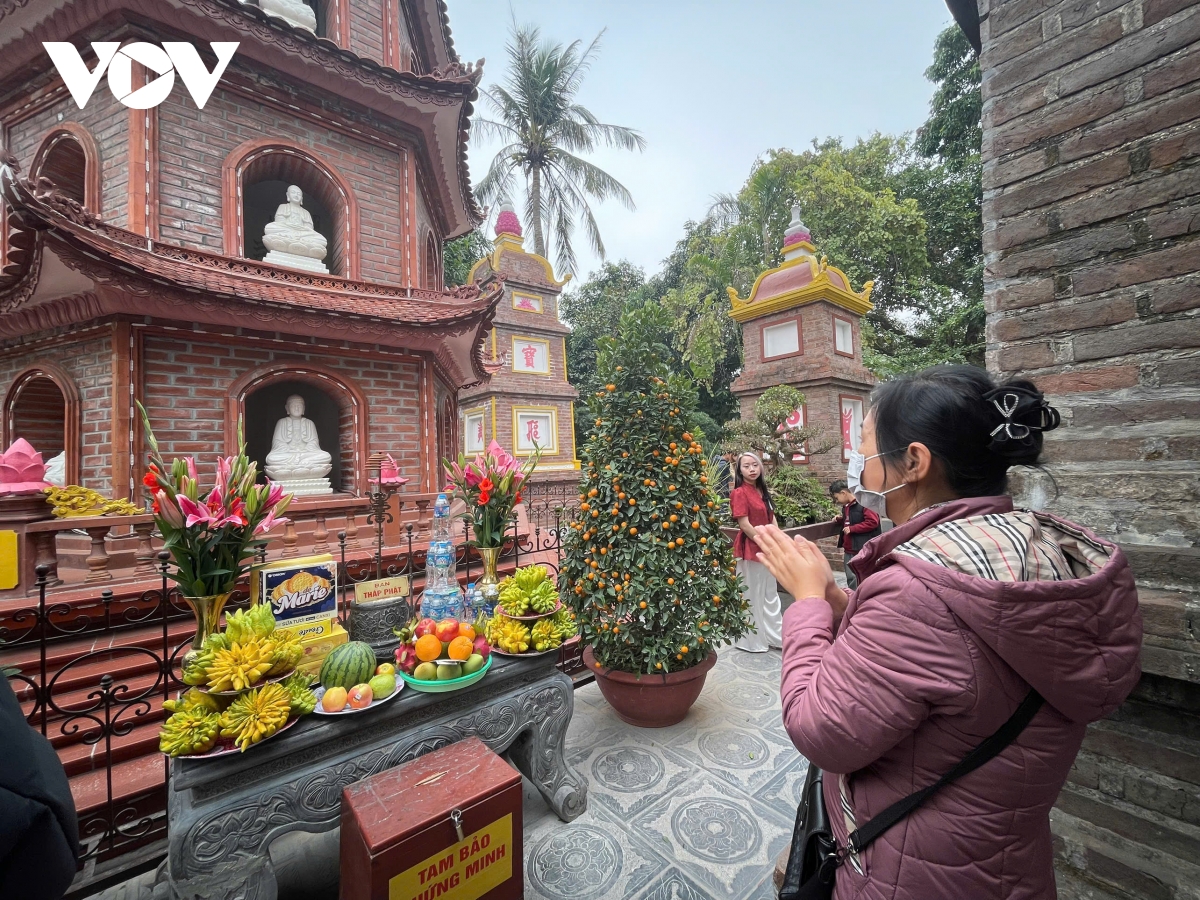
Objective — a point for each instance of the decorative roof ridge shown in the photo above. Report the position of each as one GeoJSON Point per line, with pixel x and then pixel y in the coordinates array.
{"type": "Point", "coordinates": [51, 210]}
{"type": "Point", "coordinates": [820, 287]}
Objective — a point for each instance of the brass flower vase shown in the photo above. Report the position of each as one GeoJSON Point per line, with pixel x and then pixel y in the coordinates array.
{"type": "Point", "coordinates": [488, 584]}
{"type": "Point", "coordinates": [208, 619]}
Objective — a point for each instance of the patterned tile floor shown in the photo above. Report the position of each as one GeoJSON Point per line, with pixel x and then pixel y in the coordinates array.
{"type": "Point", "coordinates": [699, 810]}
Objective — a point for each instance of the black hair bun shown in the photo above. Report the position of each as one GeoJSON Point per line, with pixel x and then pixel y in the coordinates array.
{"type": "Point", "coordinates": [1021, 415]}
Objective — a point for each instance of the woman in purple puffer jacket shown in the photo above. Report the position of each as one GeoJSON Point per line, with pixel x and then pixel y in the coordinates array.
{"type": "Point", "coordinates": [961, 608]}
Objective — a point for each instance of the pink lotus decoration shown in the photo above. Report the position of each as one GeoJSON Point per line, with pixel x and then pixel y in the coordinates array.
{"type": "Point", "coordinates": [22, 470]}
{"type": "Point", "coordinates": [389, 472]}
{"type": "Point", "coordinates": [798, 237]}
{"type": "Point", "coordinates": [508, 223]}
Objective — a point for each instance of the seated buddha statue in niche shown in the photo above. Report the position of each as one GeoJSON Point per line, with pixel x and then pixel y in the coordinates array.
{"type": "Point", "coordinates": [296, 459]}
{"type": "Point", "coordinates": [291, 239]}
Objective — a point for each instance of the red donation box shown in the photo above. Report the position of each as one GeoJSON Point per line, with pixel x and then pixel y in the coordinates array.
{"type": "Point", "coordinates": [445, 825]}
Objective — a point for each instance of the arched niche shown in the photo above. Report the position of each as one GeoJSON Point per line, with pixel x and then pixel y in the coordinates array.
{"type": "Point", "coordinates": [432, 264]}
{"type": "Point", "coordinates": [256, 177]}
{"type": "Point", "coordinates": [336, 406]}
{"type": "Point", "coordinates": [42, 406]}
{"type": "Point", "coordinates": [68, 156]}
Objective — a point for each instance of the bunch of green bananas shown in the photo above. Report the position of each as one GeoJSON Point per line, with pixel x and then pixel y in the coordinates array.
{"type": "Point", "coordinates": [545, 636]}
{"type": "Point", "coordinates": [193, 729]}
{"type": "Point", "coordinates": [256, 715]}
{"type": "Point", "coordinates": [513, 598]}
{"type": "Point", "coordinates": [300, 695]}
{"type": "Point", "coordinates": [544, 597]}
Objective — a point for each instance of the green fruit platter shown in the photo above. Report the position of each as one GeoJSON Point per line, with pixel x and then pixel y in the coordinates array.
{"type": "Point", "coordinates": [435, 657]}
{"type": "Point", "coordinates": [352, 682]}
{"type": "Point", "coordinates": [529, 596]}
{"type": "Point", "coordinates": [242, 690]}
{"type": "Point", "coordinates": [440, 685]}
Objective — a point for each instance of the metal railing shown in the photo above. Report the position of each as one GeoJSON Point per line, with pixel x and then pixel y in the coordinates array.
{"type": "Point", "coordinates": [91, 671]}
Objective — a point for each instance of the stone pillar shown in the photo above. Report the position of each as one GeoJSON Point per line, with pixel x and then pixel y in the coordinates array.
{"type": "Point", "coordinates": [801, 326]}
{"type": "Point", "coordinates": [529, 398]}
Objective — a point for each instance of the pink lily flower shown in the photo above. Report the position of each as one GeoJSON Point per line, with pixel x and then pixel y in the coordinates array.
{"type": "Point", "coordinates": [169, 510]}
{"type": "Point", "coordinates": [197, 513]}
{"type": "Point", "coordinates": [268, 523]}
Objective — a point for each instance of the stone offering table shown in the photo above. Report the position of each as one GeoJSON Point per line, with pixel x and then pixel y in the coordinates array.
{"type": "Point", "coordinates": [225, 812]}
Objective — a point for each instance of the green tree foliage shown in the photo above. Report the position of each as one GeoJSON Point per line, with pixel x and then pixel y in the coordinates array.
{"type": "Point", "coordinates": [953, 132]}
{"type": "Point", "coordinates": [647, 570]}
{"type": "Point", "coordinates": [461, 254]}
{"type": "Point", "coordinates": [798, 497]}
{"type": "Point", "coordinates": [545, 132]}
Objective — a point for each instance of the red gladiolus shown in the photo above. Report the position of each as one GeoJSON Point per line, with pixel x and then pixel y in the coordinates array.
{"type": "Point", "coordinates": [517, 498]}
{"type": "Point", "coordinates": [484, 497]}
{"type": "Point", "coordinates": [486, 485]}
{"type": "Point", "coordinates": [150, 479]}
{"type": "Point", "coordinates": [155, 507]}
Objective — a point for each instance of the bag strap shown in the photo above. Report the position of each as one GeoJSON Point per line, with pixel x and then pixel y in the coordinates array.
{"type": "Point", "coordinates": [1005, 735]}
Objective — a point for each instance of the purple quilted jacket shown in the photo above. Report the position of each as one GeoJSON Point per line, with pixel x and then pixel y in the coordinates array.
{"type": "Point", "coordinates": [959, 612]}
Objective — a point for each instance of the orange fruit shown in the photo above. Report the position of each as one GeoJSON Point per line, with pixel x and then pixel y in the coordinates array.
{"type": "Point", "coordinates": [467, 630]}
{"type": "Point", "coordinates": [428, 648]}
{"type": "Point", "coordinates": [461, 648]}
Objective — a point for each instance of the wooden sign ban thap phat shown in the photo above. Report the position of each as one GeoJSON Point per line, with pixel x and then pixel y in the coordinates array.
{"type": "Point", "coordinates": [445, 825]}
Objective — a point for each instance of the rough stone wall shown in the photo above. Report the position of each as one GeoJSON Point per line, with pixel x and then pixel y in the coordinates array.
{"type": "Point", "coordinates": [88, 361]}
{"type": "Point", "coordinates": [194, 144]}
{"type": "Point", "coordinates": [1092, 244]}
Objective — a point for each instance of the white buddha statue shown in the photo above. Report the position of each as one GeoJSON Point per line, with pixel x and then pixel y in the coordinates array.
{"type": "Point", "coordinates": [296, 459]}
{"type": "Point", "coordinates": [291, 239]}
{"type": "Point", "coordinates": [294, 11]}
{"type": "Point", "coordinates": [56, 470]}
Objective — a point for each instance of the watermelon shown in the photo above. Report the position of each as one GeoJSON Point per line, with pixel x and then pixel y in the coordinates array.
{"type": "Point", "coordinates": [348, 665]}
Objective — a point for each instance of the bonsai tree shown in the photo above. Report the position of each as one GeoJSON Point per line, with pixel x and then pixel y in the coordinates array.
{"type": "Point", "coordinates": [799, 498]}
{"type": "Point", "coordinates": [647, 570]}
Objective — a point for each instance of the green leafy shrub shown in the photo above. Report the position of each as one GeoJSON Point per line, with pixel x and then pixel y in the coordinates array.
{"type": "Point", "coordinates": [646, 569]}
{"type": "Point", "coordinates": [799, 498]}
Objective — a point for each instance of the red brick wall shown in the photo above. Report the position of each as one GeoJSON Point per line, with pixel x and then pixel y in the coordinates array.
{"type": "Point", "coordinates": [1092, 242]}
{"type": "Point", "coordinates": [818, 359]}
{"type": "Point", "coordinates": [366, 29]}
{"type": "Point", "coordinates": [194, 144]}
{"type": "Point", "coordinates": [186, 383]}
{"type": "Point", "coordinates": [107, 121]}
{"type": "Point", "coordinates": [89, 363]}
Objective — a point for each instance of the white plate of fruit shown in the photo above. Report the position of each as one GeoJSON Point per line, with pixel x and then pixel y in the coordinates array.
{"type": "Point", "coordinates": [370, 684]}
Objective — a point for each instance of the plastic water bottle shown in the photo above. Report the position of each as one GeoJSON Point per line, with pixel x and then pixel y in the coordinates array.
{"type": "Point", "coordinates": [442, 598]}
{"type": "Point", "coordinates": [441, 519]}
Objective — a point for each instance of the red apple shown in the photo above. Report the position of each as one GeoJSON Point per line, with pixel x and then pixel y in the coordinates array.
{"type": "Point", "coordinates": [482, 647]}
{"type": "Point", "coordinates": [424, 627]}
{"type": "Point", "coordinates": [406, 658]}
{"type": "Point", "coordinates": [447, 630]}
{"type": "Point", "coordinates": [360, 696]}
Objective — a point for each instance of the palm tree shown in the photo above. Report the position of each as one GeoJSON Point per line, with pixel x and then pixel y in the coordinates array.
{"type": "Point", "coordinates": [545, 132]}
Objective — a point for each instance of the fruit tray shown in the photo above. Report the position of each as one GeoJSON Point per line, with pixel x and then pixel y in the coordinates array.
{"type": "Point", "coordinates": [272, 680]}
{"type": "Point", "coordinates": [226, 746]}
{"type": "Point", "coordinates": [532, 617]}
{"type": "Point", "coordinates": [527, 653]}
{"type": "Point", "coordinates": [347, 710]}
{"type": "Point", "coordinates": [452, 684]}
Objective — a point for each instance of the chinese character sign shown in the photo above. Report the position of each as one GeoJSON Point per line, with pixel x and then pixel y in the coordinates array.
{"type": "Point", "coordinates": [852, 419]}
{"type": "Point", "coordinates": [535, 429]}
{"type": "Point", "coordinates": [531, 356]}
{"type": "Point", "coordinates": [473, 436]}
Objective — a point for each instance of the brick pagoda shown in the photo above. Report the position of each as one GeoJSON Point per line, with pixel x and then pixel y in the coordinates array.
{"type": "Point", "coordinates": [801, 326]}
{"type": "Point", "coordinates": [133, 254]}
{"type": "Point", "coordinates": [528, 400]}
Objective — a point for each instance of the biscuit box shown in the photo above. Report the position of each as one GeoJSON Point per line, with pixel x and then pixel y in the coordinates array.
{"type": "Point", "coordinates": [302, 593]}
{"type": "Point", "coordinates": [317, 648]}
{"type": "Point", "coordinates": [447, 825]}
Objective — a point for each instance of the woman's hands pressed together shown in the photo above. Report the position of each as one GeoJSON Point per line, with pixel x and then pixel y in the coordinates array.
{"type": "Point", "coordinates": [799, 566]}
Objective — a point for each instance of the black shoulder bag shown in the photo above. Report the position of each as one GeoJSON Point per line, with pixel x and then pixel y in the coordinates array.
{"type": "Point", "coordinates": [815, 856]}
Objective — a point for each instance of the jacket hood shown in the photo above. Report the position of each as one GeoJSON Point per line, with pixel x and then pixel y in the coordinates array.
{"type": "Point", "coordinates": [1066, 618]}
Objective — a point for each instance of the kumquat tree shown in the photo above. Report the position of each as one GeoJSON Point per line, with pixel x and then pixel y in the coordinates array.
{"type": "Point", "coordinates": [647, 569]}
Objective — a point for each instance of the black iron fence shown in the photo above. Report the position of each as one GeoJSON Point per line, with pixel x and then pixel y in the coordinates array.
{"type": "Point", "coordinates": [91, 674]}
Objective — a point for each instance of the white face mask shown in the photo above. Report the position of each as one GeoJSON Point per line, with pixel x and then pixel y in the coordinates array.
{"type": "Point", "coordinates": [876, 501]}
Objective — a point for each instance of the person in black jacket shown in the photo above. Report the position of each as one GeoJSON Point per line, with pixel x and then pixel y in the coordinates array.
{"type": "Point", "coordinates": [39, 831]}
{"type": "Point", "coordinates": [859, 525]}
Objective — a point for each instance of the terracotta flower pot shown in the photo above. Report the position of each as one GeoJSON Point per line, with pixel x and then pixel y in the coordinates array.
{"type": "Point", "coordinates": [650, 701]}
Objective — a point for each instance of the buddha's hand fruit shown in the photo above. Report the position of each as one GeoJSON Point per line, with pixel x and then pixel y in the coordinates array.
{"type": "Point", "coordinates": [543, 598]}
{"type": "Point", "coordinates": [300, 696]}
{"type": "Point", "coordinates": [288, 651]}
{"type": "Point", "coordinates": [256, 715]}
{"type": "Point", "coordinates": [530, 577]}
{"type": "Point", "coordinates": [241, 666]}
{"type": "Point", "coordinates": [544, 636]}
{"type": "Point", "coordinates": [513, 599]}
{"type": "Point", "coordinates": [191, 730]}
{"type": "Point", "coordinates": [513, 637]}
{"type": "Point", "coordinates": [193, 699]}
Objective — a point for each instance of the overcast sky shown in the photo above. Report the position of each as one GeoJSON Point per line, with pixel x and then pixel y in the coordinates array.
{"type": "Point", "coordinates": [711, 86]}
